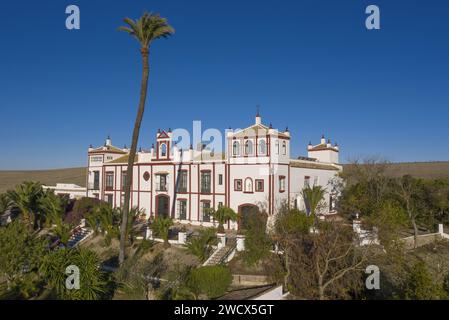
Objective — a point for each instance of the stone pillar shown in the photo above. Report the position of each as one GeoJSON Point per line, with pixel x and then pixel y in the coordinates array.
{"type": "Point", "coordinates": [149, 234]}
{"type": "Point", "coordinates": [182, 237]}
{"type": "Point", "coordinates": [356, 225]}
{"type": "Point", "coordinates": [83, 223]}
{"type": "Point", "coordinates": [240, 242]}
{"type": "Point", "coordinates": [440, 229]}
{"type": "Point", "coordinates": [221, 240]}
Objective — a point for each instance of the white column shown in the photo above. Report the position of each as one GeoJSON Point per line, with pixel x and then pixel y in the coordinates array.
{"type": "Point", "coordinates": [149, 234]}
{"type": "Point", "coordinates": [182, 237]}
{"type": "Point", "coordinates": [240, 242]}
{"type": "Point", "coordinates": [221, 240]}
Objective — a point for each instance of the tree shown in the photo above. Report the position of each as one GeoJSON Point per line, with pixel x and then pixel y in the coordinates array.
{"type": "Point", "coordinates": [408, 193]}
{"type": "Point", "coordinates": [53, 208]}
{"type": "Point", "coordinates": [146, 29]}
{"type": "Point", "coordinates": [25, 197]}
{"type": "Point", "coordinates": [108, 219]}
{"type": "Point", "coordinates": [93, 284]}
{"type": "Point", "coordinates": [257, 241]}
{"type": "Point", "coordinates": [211, 281]}
{"type": "Point", "coordinates": [5, 203]}
{"type": "Point", "coordinates": [201, 245]}
{"type": "Point", "coordinates": [327, 263]}
{"type": "Point", "coordinates": [289, 224]}
{"type": "Point", "coordinates": [223, 214]}
{"type": "Point", "coordinates": [313, 198]}
{"type": "Point", "coordinates": [161, 227]}
{"type": "Point", "coordinates": [21, 255]}
{"type": "Point", "coordinates": [419, 284]}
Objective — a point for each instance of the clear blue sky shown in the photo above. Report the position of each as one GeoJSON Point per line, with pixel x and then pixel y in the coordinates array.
{"type": "Point", "coordinates": [311, 65]}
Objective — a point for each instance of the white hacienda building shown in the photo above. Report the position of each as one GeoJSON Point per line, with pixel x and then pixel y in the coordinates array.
{"type": "Point", "coordinates": [255, 170]}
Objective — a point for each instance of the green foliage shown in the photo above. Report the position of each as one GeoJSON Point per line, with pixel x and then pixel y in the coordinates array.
{"type": "Point", "coordinates": [419, 284]}
{"type": "Point", "coordinates": [161, 227]}
{"type": "Point", "coordinates": [201, 245]}
{"type": "Point", "coordinates": [108, 219]}
{"type": "Point", "coordinates": [21, 254]}
{"type": "Point", "coordinates": [5, 203]}
{"type": "Point", "coordinates": [148, 28]}
{"type": "Point", "coordinates": [313, 198]}
{"type": "Point", "coordinates": [257, 242]}
{"type": "Point", "coordinates": [25, 198]}
{"type": "Point", "coordinates": [93, 284]}
{"type": "Point", "coordinates": [223, 214]}
{"type": "Point", "coordinates": [291, 221]}
{"type": "Point", "coordinates": [211, 281]}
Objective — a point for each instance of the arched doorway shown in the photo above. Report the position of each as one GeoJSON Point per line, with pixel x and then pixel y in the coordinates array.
{"type": "Point", "coordinates": [246, 213]}
{"type": "Point", "coordinates": [162, 206]}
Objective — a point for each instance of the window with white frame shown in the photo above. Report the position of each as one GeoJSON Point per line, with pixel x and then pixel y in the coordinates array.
{"type": "Point", "coordinates": [284, 148]}
{"type": "Point", "coordinates": [205, 211]}
{"type": "Point", "coordinates": [276, 146]}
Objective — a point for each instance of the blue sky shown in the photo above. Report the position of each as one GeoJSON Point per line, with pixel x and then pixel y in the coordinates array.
{"type": "Point", "coordinates": [311, 65]}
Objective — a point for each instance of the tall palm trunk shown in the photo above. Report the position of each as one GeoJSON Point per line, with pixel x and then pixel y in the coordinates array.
{"type": "Point", "coordinates": [132, 153]}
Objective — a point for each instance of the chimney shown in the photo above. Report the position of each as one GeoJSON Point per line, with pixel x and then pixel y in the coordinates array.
{"type": "Point", "coordinates": [323, 140]}
{"type": "Point", "coordinates": [152, 151]}
{"type": "Point", "coordinates": [108, 141]}
{"type": "Point", "coordinates": [258, 118]}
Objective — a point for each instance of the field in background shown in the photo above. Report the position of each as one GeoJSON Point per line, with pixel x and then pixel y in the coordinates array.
{"type": "Point", "coordinates": [9, 179]}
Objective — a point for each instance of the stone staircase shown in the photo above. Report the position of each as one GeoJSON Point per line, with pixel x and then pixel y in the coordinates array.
{"type": "Point", "coordinates": [220, 255]}
{"type": "Point", "coordinates": [78, 235]}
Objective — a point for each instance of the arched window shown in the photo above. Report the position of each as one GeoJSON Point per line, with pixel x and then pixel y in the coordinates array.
{"type": "Point", "coordinates": [248, 185]}
{"type": "Point", "coordinates": [277, 146]}
{"type": "Point", "coordinates": [163, 149]}
{"type": "Point", "coordinates": [284, 147]}
{"type": "Point", "coordinates": [262, 147]}
{"type": "Point", "coordinates": [248, 147]}
{"type": "Point", "coordinates": [235, 148]}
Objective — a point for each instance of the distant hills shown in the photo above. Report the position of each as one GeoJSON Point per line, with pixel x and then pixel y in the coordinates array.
{"type": "Point", "coordinates": [9, 179]}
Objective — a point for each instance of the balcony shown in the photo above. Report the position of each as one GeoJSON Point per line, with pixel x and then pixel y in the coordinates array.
{"type": "Point", "coordinates": [205, 188]}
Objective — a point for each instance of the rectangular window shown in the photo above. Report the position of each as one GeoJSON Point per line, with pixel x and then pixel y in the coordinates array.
{"type": "Point", "coordinates": [182, 209]}
{"type": "Point", "coordinates": [306, 181]}
{"type": "Point", "coordinates": [205, 182]}
{"type": "Point", "coordinates": [238, 185]}
{"type": "Point", "coordinates": [205, 211]}
{"type": "Point", "coordinates": [109, 199]}
{"type": "Point", "coordinates": [220, 179]}
{"type": "Point", "coordinates": [96, 180]}
{"type": "Point", "coordinates": [259, 185]}
{"type": "Point", "coordinates": [182, 183]}
{"type": "Point", "coordinates": [281, 183]}
{"type": "Point", "coordinates": [109, 180]}
{"type": "Point", "coordinates": [124, 177]}
{"type": "Point", "coordinates": [161, 182]}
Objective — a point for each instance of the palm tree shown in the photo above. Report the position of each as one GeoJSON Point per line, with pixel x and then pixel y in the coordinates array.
{"type": "Point", "coordinates": [25, 198]}
{"type": "Point", "coordinates": [223, 214]}
{"type": "Point", "coordinates": [313, 198]}
{"type": "Point", "coordinates": [108, 218]}
{"type": "Point", "coordinates": [146, 29]}
{"type": "Point", "coordinates": [201, 245]}
{"type": "Point", "coordinates": [161, 227]}
{"type": "Point", "coordinates": [54, 208]}
{"type": "Point", "coordinates": [5, 203]}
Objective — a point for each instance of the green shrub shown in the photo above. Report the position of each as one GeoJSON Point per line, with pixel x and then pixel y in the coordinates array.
{"type": "Point", "coordinates": [257, 242]}
{"type": "Point", "coordinates": [211, 281]}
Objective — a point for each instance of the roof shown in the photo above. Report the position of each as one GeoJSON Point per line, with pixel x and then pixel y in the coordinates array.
{"type": "Point", "coordinates": [247, 293]}
{"type": "Point", "coordinates": [321, 147]}
{"type": "Point", "coordinates": [313, 165]}
{"type": "Point", "coordinates": [257, 130]}
{"type": "Point", "coordinates": [108, 149]}
{"type": "Point", "coordinates": [123, 159]}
